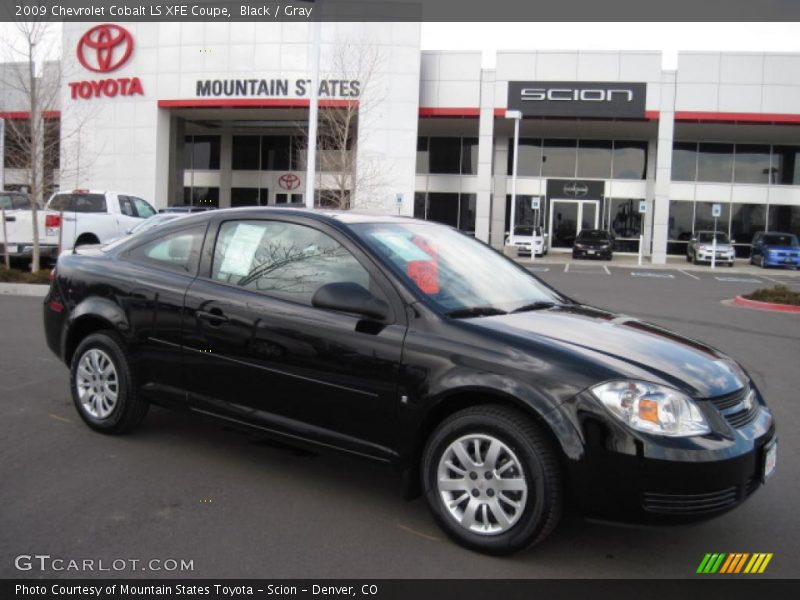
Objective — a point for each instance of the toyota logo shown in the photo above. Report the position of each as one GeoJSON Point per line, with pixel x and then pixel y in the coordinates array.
{"type": "Point", "coordinates": [290, 181]}
{"type": "Point", "coordinates": [105, 48]}
{"type": "Point", "coordinates": [576, 189]}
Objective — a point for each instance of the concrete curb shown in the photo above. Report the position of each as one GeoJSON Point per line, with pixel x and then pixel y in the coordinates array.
{"type": "Point", "coordinates": [746, 303]}
{"type": "Point", "coordinates": [38, 290]}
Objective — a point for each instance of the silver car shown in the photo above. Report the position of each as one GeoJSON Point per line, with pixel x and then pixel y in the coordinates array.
{"type": "Point", "coordinates": [701, 248]}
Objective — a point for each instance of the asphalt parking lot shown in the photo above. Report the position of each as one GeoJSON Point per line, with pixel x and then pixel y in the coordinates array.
{"type": "Point", "coordinates": [239, 505]}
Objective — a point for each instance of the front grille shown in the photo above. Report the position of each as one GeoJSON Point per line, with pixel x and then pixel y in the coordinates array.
{"type": "Point", "coordinates": [690, 504]}
{"type": "Point", "coordinates": [734, 410]}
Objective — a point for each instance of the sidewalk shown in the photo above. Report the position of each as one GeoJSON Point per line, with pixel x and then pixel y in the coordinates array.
{"type": "Point", "coordinates": [673, 263]}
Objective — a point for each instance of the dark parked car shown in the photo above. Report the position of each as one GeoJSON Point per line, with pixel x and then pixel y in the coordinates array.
{"type": "Point", "coordinates": [593, 243]}
{"type": "Point", "coordinates": [404, 341]}
{"type": "Point", "coordinates": [775, 249]}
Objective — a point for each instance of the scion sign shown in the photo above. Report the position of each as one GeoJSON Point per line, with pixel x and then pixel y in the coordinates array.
{"type": "Point", "coordinates": [578, 99]}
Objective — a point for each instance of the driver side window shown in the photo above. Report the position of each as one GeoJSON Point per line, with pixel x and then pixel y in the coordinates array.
{"type": "Point", "coordinates": [285, 260]}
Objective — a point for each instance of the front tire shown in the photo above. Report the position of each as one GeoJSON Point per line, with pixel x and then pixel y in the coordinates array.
{"type": "Point", "coordinates": [491, 480]}
{"type": "Point", "coordinates": [102, 385]}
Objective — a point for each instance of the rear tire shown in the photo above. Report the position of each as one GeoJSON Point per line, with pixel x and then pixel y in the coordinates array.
{"type": "Point", "coordinates": [762, 262]}
{"type": "Point", "coordinates": [491, 479]}
{"type": "Point", "coordinates": [103, 385]}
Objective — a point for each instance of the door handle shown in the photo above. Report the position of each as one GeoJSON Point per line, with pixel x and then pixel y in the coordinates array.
{"type": "Point", "coordinates": [213, 316]}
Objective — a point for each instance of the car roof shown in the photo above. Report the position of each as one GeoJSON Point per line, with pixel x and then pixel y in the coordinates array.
{"type": "Point", "coordinates": [346, 217]}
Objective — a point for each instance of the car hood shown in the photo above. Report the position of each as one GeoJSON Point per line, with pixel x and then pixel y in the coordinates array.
{"type": "Point", "coordinates": [720, 247]}
{"type": "Point", "coordinates": [593, 242]}
{"type": "Point", "coordinates": [618, 340]}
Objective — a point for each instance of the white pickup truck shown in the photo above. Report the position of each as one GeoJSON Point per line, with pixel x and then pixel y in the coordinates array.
{"type": "Point", "coordinates": [82, 216]}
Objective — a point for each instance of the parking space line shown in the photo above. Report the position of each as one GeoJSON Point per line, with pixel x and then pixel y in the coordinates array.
{"type": "Point", "coordinates": [566, 267]}
{"type": "Point", "coordinates": [607, 271]}
{"type": "Point", "coordinates": [688, 274]}
{"type": "Point", "coordinates": [652, 274]}
{"type": "Point", "coordinates": [731, 279]}
{"type": "Point", "coordinates": [772, 280]}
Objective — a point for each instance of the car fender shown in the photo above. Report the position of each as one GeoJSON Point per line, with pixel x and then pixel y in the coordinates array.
{"type": "Point", "coordinates": [94, 308]}
{"type": "Point", "coordinates": [524, 396]}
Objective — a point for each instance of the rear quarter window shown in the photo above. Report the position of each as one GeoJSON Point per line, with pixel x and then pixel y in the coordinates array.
{"type": "Point", "coordinates": [83, 203]}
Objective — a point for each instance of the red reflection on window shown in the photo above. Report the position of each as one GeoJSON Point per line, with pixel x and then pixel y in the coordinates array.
{"type": "Point", "coordinates": [425, 273]}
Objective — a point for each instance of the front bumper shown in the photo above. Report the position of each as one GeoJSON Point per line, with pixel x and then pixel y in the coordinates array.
{"type": "Point", "coordinates": [526, 249]}
{"type": "Point", "coordinates": [781, 260]}
{"type": "Point", "coordinates": [722, 257]}
{"type": "Point", "coordinates": [636, 477]}
{"type": "Point", "coordinates": [592, 252]}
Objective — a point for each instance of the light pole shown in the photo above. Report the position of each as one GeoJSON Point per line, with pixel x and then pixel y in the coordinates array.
{"type": "Point", "coordinates": [517, 116]}
{"type": "Point", "coordinates": [313, 113]}
{"type": "Point", "coordinates": [769, 172]}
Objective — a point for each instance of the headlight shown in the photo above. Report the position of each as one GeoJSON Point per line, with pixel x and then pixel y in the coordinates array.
{"type": "Point", "coordinates": [652, 408]}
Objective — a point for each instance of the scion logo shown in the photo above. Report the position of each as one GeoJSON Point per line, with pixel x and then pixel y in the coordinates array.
{"type": "Point", "coordinates": [596, 99]}
{"type": "Point", "coordinates": [575, 95]}
{"type": "Point", "coordinates": [105, 48]}
{"type": "Point", "coordinates": [576, 189]}
{"type": "Point", "coordinates": [290, 181]}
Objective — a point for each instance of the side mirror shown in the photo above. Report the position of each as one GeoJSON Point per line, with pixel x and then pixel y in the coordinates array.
{"type": "Point", "coordinates": [346, 296]}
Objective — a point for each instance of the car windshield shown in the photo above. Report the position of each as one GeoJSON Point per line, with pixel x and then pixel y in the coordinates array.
{"type": "Point", "coordinates": [461, 276]}
{"type": "Point", "coordinates": [707, 237]}
{"type": "Point", "coordinates": [592, 234]}
{"type": "Point", "coordinates": [527, 230]}
{"type": "Point", "coordinates": [781, 240]}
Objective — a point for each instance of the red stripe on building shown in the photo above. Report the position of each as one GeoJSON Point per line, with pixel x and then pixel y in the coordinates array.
{"type": "Point", "coordinates": [254, 103]}
{"type": "Point", "coordinates": [432, 111]}
{"type": "Point", "coordinates": [736, 117]}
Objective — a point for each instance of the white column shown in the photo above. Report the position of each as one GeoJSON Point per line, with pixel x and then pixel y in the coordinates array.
{"type": "Point", "coordinates": [500, 191]}
{"type": "Point", "coordinates": [666, 130]}
{"type": "Point", "coordinates": [650, 188]}
{"type": "Point", "coordinates": [225, 168]}
{"type": "Point", "coordinates": [483, 205]}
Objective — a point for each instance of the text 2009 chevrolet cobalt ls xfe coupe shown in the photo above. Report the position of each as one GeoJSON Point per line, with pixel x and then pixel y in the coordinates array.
{"type": "Point", "coordinates": [499, 398]}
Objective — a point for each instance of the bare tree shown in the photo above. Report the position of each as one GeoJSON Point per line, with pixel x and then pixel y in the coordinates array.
{"type": "Point", "coordinates": [37, 144]}
{"type": "Point", "coordinates": [349, 174]}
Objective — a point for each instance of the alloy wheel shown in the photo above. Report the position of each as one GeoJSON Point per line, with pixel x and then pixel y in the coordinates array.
{"type": "Point", "coordinates": [97, 383]}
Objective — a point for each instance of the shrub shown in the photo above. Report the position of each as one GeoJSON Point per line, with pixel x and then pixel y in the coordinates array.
{"type": "Point", "coordinates": [16, 276]}
{"type": "Point", "coordinates": [780, 294]}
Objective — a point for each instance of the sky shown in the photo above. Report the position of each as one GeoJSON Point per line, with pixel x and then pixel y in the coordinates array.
{"type": "Point", "coordinates": [666, 37]}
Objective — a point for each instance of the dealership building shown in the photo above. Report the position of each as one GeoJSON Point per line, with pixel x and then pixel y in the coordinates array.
{"type": "Point", "coordinates": [217, 113]}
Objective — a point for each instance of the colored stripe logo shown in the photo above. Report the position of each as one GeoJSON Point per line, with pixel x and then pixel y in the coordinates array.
{"type": "Point", "coordinates": [734, 563]}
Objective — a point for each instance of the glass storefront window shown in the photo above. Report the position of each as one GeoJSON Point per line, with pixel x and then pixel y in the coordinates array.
{"type": "Point", "coordinates": [248, 196]}
{"type": "Point", "coordinates": [443, 208]}
{"type": "Point", "coordinates": [786, 165]}
{"type": "Point", "coordinates": [715, 162]}
{"type": "Point", "coordinates": [705, 222]}
{"type": "Point", "coordinates": [746, 221]}
{"type": "Point", "coordinates": [529, 163]}
{"type": "Point", "coordinates": [201, 196]}
{"type": "Point", "coordinates": [422, 155]}
{"type": "Point", "coordinates": [559, 157]}
{"type": "Point", "coordinates": [466, 218]}
{"type": "Point", "coordinates": [201, 152]}
{"type": "Point", "coordinates": [594, 159]}
{"type": "Point", "coordinates": [681, 219]}
{"type": "Point", "coordinates": [246, 153]}
{"type": "Point", "coordinates": [624, 219]}
{"type": "Point", "coordinates": [445, 155]}
{"type": "Point", "coordinates": [751, 164]}
{"type": "Point", "coordinates": [469, 156]}
{"type": "Point", "coordinates": [276, 151]}
{"type": "Point", "coordinates": [630, 160]}
{"type": "Point", "coordinates": [419, 205]}
{"type": "Point", "coordinates": [784, 218]}
{"type": "Point", "coordinates": [684, 161]}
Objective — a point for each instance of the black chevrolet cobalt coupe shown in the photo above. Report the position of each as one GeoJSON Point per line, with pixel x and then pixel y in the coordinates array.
{"type": "Point", "coordinates": [497, 397]}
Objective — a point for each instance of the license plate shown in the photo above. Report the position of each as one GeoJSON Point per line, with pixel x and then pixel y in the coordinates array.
{"type": "Point", "coordinates": [12, 248]}
{"type": "Point", "coordinates": [590, 252]}
{"type": "Point", "coordinates": [770, 460]}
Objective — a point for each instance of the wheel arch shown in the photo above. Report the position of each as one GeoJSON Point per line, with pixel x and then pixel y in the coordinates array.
{"type": "Point", "coordinates": [560, 431]}
{"type": "Point", "coordinates": [90, 316]}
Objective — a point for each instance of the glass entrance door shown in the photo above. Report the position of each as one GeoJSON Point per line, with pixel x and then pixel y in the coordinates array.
{"type": "Point", "coordinates": [568, 217]}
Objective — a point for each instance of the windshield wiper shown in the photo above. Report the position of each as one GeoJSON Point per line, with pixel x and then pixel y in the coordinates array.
{"type": "Point", "coordinates": [474, 311]}
{"type": "Point", "coordinates": [541, 304]}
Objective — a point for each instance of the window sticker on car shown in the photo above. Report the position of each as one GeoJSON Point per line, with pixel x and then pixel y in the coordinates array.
{"type": "Point", "coordinates": [401, 246]}
{"type": "Point", "coordinates": [241, 250]}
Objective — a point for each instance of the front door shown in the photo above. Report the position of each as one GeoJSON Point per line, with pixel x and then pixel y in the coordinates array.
{"type": "Point", "coordinates": [258, 351]}
{"type": "Point", "coordinates": [568, 218]}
